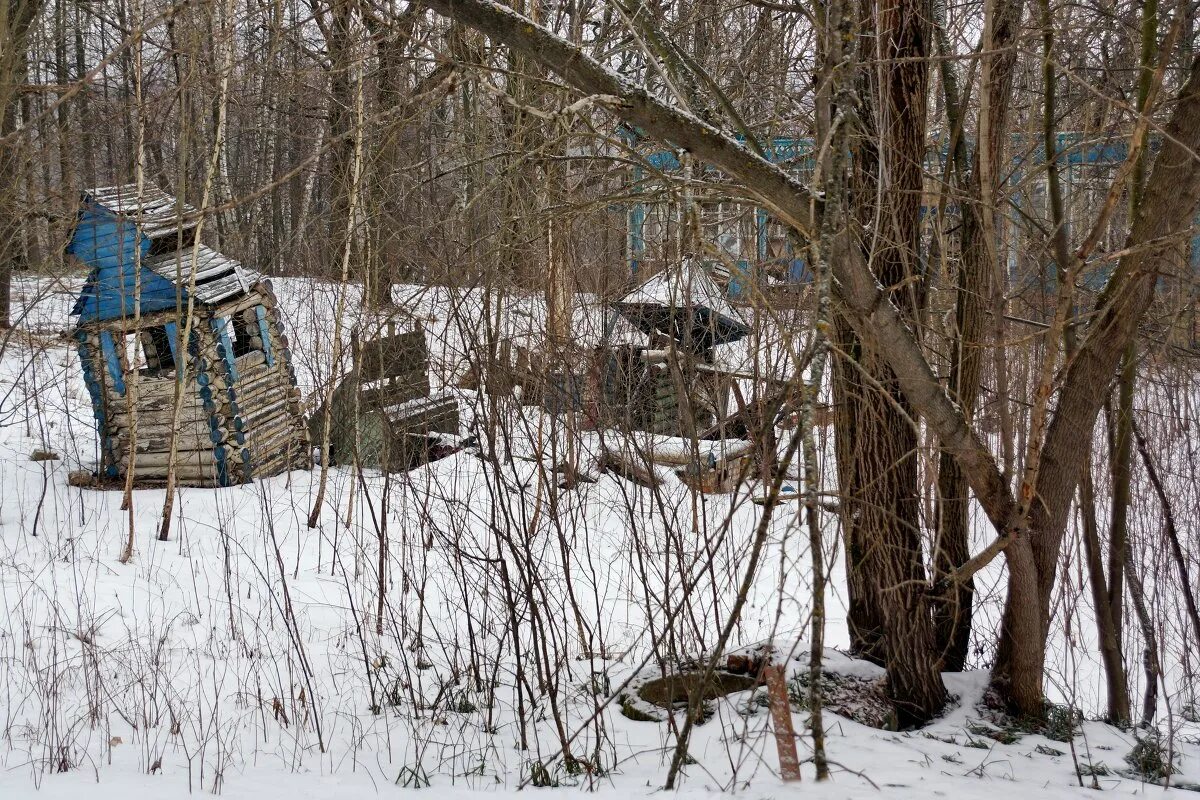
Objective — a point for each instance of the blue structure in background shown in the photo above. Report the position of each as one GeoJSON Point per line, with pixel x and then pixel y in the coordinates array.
{"type": "Point", "coordinates": [1073, 152]}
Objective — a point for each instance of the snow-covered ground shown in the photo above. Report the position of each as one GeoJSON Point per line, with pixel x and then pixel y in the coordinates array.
{"type": "Point", "coordinates": [245, 655]}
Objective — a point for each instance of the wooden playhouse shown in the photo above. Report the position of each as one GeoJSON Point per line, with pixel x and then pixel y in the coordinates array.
{"type": "Point", "coordinates": [239, 414]}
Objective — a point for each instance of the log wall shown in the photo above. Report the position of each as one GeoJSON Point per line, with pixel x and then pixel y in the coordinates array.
{"type": "Point", "coordinates": [239, 417]}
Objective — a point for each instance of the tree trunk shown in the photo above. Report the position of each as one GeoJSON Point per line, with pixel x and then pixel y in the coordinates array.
{"type": "Point", "coordinates": [1106, 629]}
{"type": "Point", "coordinates": [978, 315]}
{"type": "Point", "coordinates": [890, 615]}
{"type": "Point", "coordinates": [15, 22]}
{"type": "Point", "coordinates": [1165, 213]}
{"type": "Point", "coordinates": [342, 230]}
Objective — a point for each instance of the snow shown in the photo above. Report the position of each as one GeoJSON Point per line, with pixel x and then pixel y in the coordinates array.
{"type": "Point", "coordinates": [241, 656]}
{"type": "Point", "coordinates": [687, 287]}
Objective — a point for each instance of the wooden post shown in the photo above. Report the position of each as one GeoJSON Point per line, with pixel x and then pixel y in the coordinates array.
{"type": "Point", "coordinates": [781, 718]}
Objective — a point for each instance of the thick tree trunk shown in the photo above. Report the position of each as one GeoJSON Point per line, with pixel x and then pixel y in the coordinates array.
{"type": "Point", "coordinates": [15, 21]}
{"type": "Point", "coordinates": [978, 313]}
{"type": "Point", "coordinates": [890, 616]}
{"type": "Point", "coordinates": [1165, 214]}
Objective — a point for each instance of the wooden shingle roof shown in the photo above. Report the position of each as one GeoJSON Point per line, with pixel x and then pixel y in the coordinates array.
{"type": "Point", "coordinates": [217, 276]}
{"type": "Point", "coordinates": [155, 212]}
{"type": "Point", "coordinates": [120, 229]}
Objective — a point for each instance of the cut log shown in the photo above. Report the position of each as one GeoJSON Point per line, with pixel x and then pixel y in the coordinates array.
{"type": "Point", "coordinates": [159, 417]}
{"type": "Point", "coordinates": [282, 461]}
{"type": "Point", "coordinates": [154, 405]}
{"type": "Point", "coordinates": [183, 472]}
{"type": "Point", "coordinates": [184, 458]}
{"type": "Point", "coordinates": [249, 361]}
{"type": "Point", "coordinates": [162, 444]}
{"type": "Point", "coordinates": [628, 468]}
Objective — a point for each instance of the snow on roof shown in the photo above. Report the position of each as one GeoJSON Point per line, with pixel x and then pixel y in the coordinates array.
{"type": "Point", "coordinates": [155, 212]}
{"type": "Point", "coordinates": [659, 303]}
{"type": "Point", "coordinates": [688, 286]}
{"type": "Point", "coordinates": [217, 275]}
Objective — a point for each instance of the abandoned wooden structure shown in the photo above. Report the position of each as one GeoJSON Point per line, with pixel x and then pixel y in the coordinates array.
{"type": "Point", "coordinates": [673, 386]}
{"type": "Point", "coordinates": [383, 414]}
{"type": "Point", "coordinates": [227, 403]}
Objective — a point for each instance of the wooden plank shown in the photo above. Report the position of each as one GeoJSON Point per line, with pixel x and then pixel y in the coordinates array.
{"type": "Point", "coordinates": [112, 360]}
{"type": "Point", "coordinates": [264, 328]}
{"type": "Point", "coordinates": [220, 289]}
{"type": "Point", "coordinates": [392, 356]}
{"type": "Point", "coordinates": [781, 720]}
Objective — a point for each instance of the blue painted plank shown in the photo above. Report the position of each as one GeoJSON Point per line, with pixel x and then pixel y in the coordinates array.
{"type": "Point", "coordinates": [110, 294]}
{"type": "Point", "coordinates": [220, 326]}
{"type": "Point", "coordinates": [762, 230]}
{"type": "Point", "coordinates": [264, 331]}
{"type": "Point", "coordinates": [89, 379]}
{"type": "Point", "coordinates": [173, 339]}
{"type": "Point", "coordinates": [109, 349]}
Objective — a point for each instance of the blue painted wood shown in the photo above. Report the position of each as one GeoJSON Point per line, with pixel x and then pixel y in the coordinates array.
{"type": "Point", "coordinates": [109, 349]}
{"type": "Point", "coordinates": [110, 293]}
{"type": "Point", "coordinates": [108, 455]}
{"type": "Point", "coordinates": [233, 436]}
{"type": "Point", "coordinates": [111, 246]}
{"type": "Point", "coordinates": [173, 338]}
{"type": "Point", "coordinates": [741, 277]}
{"type": "Point", "coordinates": [222, 467]}
{"type": "Point", "coordinates": [102, 239]}
{"type": "Point", "coordinates": [220, 326]}
{"type": "Point", "coordinates": [215, 434]}
{"type": "Point", "coordinates": [264, 332]}
{"type": "Point", "coordinates": [762, 231]}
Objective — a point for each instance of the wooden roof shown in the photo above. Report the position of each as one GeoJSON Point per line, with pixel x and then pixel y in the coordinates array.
{"type": "Point", "coordinates": [120, 229]}
{"type": "Point", "coordinates": [154, 211]}
{"type": "Point", "coordinates": [217, 276]}
{"type": "Point", "coordinates": [684, 302]}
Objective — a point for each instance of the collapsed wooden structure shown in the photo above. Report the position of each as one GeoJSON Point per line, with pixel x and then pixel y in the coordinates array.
{"type": "Point", "coordinates": [226, 403]}
{"type": "Point", "coordinates": [383, 413]}
{"type": "Point", "coordinates": [673, 386]}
